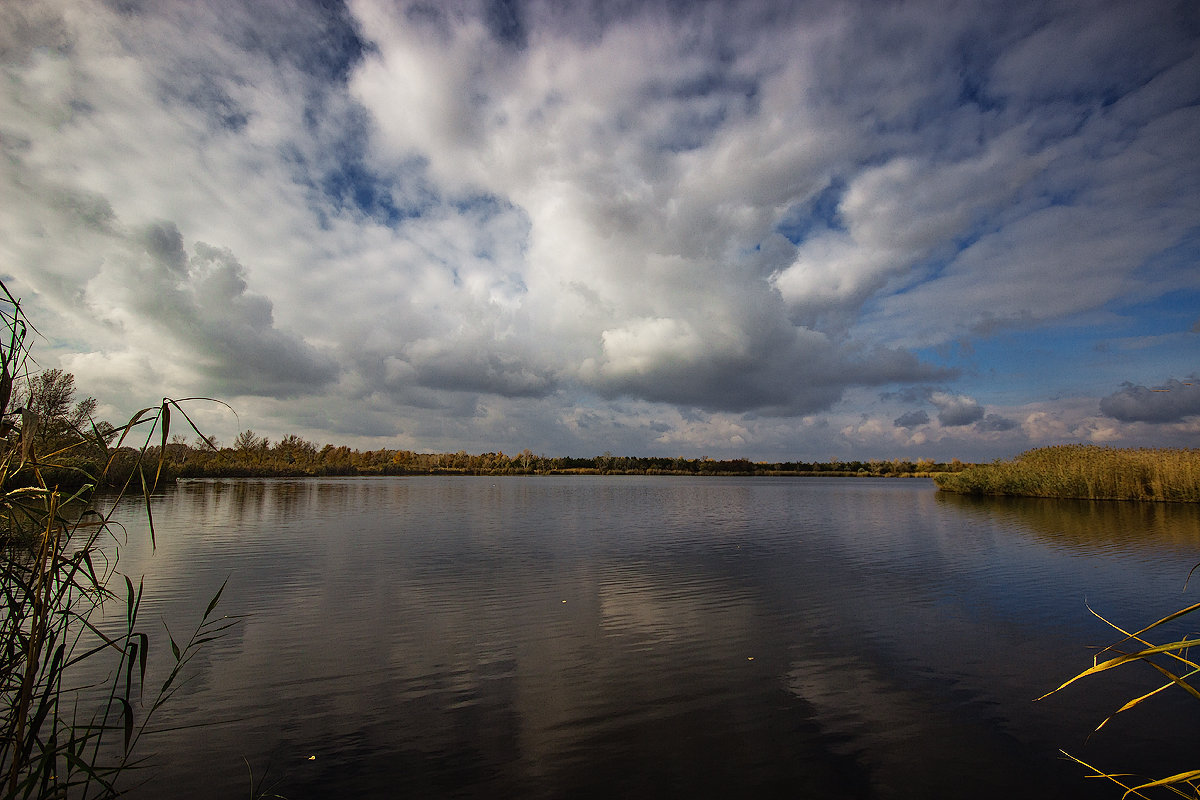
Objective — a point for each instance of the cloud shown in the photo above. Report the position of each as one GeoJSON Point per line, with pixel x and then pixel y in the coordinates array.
{"type": "Point", "coordinates": [457, 366]}
{"type": "Point", "coordinates": [198, 305]}
{"type": "Point", "coordinates": [995, 423]}
{"type": "Point", "coordinates": [632, 229]}
{"type": "Point", "coordinates": [912, 419]}
{"type": "Point", "coordinates": [775, 371]}
{"type": "Point", "coordinates": [896, 215]}
{"type": "Point", "coordinates": [910, 394]}
{"type": "Point", "coordinates": [1173, 401]}
{"type": "Point", "coordinates": [651, 222]}
{"type": "Point", "coordinates": [956, 410]}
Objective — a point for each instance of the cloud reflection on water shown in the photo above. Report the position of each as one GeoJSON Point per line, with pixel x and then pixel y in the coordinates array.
{"type": "Point", "coordinates": [413, 634]}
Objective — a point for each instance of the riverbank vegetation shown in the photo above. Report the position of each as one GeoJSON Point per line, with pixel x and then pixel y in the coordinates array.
{"type": "Point", "coordinates": [87, 452]}
{"type": "Point", "coordinates": [63, 734]}
{"type": "Point", "coordinates": [255, 456]}
{"type": "Point", "coordinates": [1086, 472]}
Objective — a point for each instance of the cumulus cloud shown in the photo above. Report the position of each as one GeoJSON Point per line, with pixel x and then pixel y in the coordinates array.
{"type": "Point", "coordinates": [912, 419]}
{"type": "Point", "coordinates": [995, 423]}
{"type": "Point", "coordinates": [896, 215]}
{"type": "Point", "coordinates": [653, 222]}
{"type": "Point", "coordinates": [956, 410]}
{"type": "Point", "coordinates": [1173, 401]}
{"type": "Point", "coordinates": [200, 304]}
{"type": "Point", "coordinates": [643, 226]}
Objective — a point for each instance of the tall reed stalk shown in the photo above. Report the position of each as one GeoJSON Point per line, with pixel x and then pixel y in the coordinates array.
{"type": "Point", "coordinates": [58, 562]}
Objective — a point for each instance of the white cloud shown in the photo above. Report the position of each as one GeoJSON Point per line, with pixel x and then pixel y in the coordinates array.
{"type": "Point", "coordinates": [677, 224]}
{"type": "Point", "coordinates": [898, 214]}
{"type": "Point", "coordinates": [647, 345]}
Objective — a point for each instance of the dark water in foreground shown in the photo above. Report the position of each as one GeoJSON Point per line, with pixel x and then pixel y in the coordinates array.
{"type": "Point", "coordinates": [656, 637]}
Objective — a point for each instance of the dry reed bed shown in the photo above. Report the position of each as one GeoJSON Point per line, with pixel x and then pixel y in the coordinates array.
{"type": "Point", "coordinates": [1087, 472]}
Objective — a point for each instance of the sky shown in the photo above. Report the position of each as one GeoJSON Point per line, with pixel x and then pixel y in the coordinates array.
{"type": "Point", "coordinates": [770, 230]}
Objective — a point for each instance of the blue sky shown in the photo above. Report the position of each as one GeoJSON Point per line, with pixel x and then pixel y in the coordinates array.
{"type": "Point", "coordinates": [778, 230]}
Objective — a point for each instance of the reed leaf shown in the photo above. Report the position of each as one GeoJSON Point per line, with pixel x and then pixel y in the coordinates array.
{"type": "Point", "coordinates": [1099, 773]}
{"type": "Point", "coordinates": [1174, 650]}
{"type": "Point", "coordinates": [212, 604]}
{"type": "Point", "coordinates": [1112, 663]}
{"type": "Point", "coordinates": [1183, 777]}
{"type": "Point", "coordinates": [1177, 680]}
{"type": "Point", "coordinates": [164, 420]}
{"type": "Point", "coordinates": [54, 577]}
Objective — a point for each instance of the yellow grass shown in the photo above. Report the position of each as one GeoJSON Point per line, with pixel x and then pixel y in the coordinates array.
{"type": "Point", "coordinates": [1087, 472]}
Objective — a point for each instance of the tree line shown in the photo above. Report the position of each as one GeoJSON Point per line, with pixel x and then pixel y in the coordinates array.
{"type": "Point", "coordinates": [65, 426]}
{"type": "Point", "coordinates": [255, 456]}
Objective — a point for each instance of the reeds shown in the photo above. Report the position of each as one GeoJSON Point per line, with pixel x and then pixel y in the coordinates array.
{"type": "Point", "coordinates": [1089, 472]}
{"type": "Point", "coordinates": [1174, 662]}
{"type": "Point", "coordinates": [58, 559]}
{"type": "Point", "coordinates": [1086, 472]}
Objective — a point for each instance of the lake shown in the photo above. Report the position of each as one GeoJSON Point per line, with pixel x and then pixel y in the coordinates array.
{"type": "Point", "coordinates": [594, 636]}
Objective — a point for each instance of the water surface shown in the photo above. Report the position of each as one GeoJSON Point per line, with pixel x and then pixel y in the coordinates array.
{"type": "Point", "coordinates": [641, 636]}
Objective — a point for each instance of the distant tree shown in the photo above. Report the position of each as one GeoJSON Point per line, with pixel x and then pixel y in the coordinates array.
{"type": "Point", "coordinates": [293, 449]}
{"type": "Point", "coordinates": [177, 448]}
{"type": "Point", "coordinates": [248, 441]}
{"type": "Point", "coordinates": [49, 395]}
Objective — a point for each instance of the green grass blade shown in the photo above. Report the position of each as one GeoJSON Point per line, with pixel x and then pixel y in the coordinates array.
{"type": "Point", "coordinates": [216, 599]}
{"type": "Point", "coordinates": [127, 714]}
{"type": "Point", "coordinates": [164, 419]}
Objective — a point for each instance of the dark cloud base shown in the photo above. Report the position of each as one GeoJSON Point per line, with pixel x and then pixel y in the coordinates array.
{"type": "Point", "coordinates": [1173, 401]}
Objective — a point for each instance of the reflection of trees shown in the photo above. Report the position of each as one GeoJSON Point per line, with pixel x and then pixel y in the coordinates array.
{"type": "Point", "coordinates": [1089, 523]}
{"type": "Point", "coordinates": [250, 503]}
